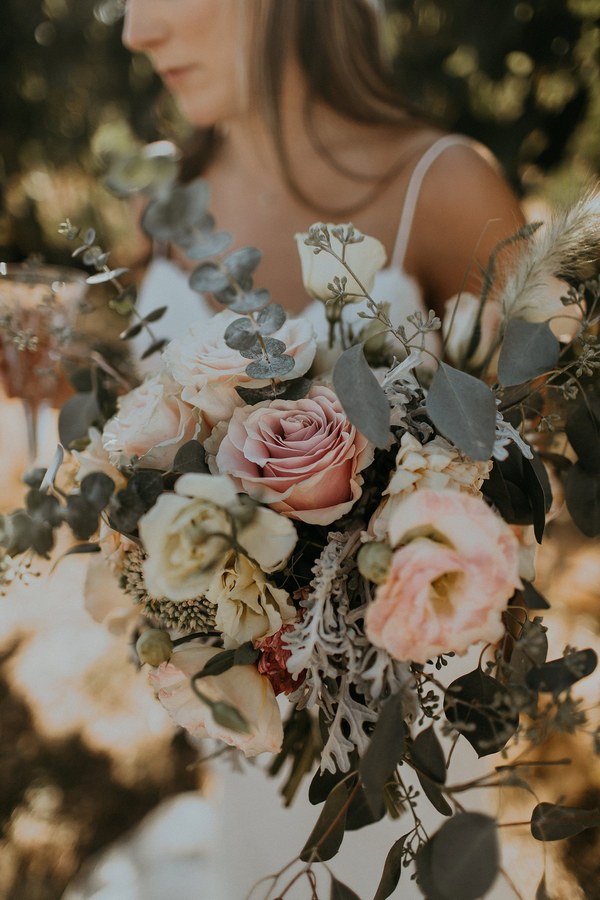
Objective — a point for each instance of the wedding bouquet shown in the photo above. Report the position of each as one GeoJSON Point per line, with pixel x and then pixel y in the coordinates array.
{"type": "Point", "coordinates": [329, 524]}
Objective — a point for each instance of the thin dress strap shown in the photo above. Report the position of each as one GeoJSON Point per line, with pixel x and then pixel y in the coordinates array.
{"type": "Point", "coordinates": [411, 196]}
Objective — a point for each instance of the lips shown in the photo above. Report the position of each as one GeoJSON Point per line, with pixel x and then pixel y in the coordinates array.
{"type": "Point", "coordinates": [176, 74]}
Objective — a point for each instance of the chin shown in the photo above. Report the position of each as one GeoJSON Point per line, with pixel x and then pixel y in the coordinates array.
{"type": "Point", "coordinates": [203, 112]}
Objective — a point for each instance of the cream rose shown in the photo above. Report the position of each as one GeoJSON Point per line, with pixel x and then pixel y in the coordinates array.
{"type": "Point", "coordinates": [188, 536]}
{"type": "Point", "coordinates": [365, 258]}
{"type": "Point", "coordinates": [301, 457]}
{"type": "Point", "coordinates": [455, 570]}
{"type": "Point", "coordinates": [435, 465]}
{"type": "Point", "coordinates": [241, 687]}
{"type": "Point", "coordinates": [248, 606]}
{"type": "Point", "coordinates": [151, 423]}
{"type": "Point", "coordinates": [209, 371]}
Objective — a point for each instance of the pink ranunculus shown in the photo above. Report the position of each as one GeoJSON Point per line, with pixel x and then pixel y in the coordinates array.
{"type": "Point", "coordinates": [151, 423]}
{"type": "Point", "coordinates": [455, 570]}
{"type": "Point", "coordinates": [241, 687]}
{"type": "Point", "coordinates": [209, 371]}
{"type": "Point", "coordinates": [301, 457]}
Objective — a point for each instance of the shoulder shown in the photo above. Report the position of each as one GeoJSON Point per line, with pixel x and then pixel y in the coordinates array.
{"type": "Point", "coordinates": [465, 207]}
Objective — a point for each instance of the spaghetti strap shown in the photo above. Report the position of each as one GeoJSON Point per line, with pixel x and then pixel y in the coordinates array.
{"type": "Point", "coordinates": [411, 196]}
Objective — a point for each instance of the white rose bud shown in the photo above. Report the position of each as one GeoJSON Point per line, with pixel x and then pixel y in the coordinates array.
{"type": "Point", "coordinates": [365, 258]}
{"type": "Point", "coordinates": [154, 647]}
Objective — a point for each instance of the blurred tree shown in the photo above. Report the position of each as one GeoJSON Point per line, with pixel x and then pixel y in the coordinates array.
{"type": "Point", "coordinates": [522, 77]}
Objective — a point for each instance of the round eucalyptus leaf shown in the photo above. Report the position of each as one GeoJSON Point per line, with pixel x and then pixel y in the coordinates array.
{"type": "Point", "coordinates": [250, 302]}
{"type": "Point", "coordinates": [273, 348]}
{"type": "Point", "coordinates": [208, 277]}
{"type": "Point", "coordinates": [276, 367]}
{"type": "Point", "coordinates": [271, 318]}
{"type": "Point", "coordinates": [243, 262]}
{"type": "Point", "coordinates": [207, 245]}
{"type": "Point", "coordinates": [241, 335]}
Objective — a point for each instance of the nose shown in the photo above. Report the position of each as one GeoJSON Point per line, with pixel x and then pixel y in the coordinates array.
{"type": "Point", "coordinates": [143, 26]}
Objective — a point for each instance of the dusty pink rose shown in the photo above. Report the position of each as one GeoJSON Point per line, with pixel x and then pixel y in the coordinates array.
{"type": "Point", "coordinates": [242, 687]}
{"type": "Point", "coordinates": [301, 457]}
{"type": "Point", "coordinates": [209, 371]}
{"type": "Point", "coordinates": [152, 423]}
{"type": "Point", "coordinates": [449, 581]}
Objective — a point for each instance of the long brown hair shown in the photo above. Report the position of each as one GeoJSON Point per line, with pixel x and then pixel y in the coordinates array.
{"type": "Point", "coordinates": [339, 48]}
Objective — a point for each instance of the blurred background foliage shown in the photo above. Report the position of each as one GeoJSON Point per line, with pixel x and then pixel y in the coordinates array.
{"type": "Point", "coordinates": [520, 76]}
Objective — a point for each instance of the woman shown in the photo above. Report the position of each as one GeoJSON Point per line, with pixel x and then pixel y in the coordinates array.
{"type": "Point", "coordinates": [297, 123]}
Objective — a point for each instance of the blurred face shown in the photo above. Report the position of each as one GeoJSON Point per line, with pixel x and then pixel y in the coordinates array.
{"type": "Point", "coordinates": [196, 48]}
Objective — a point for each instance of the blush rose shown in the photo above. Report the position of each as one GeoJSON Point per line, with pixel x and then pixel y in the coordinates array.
{"type": "Point", "coordinates": [151, 423]}
{"type": "Point", "coordinates": [209, 371]}
{"type": "Point", "coordinates": [456, 567]}
{"type": "Point", "coordinates": [301, 457]}
{"type": "Point", "coordinates": [241, 687]}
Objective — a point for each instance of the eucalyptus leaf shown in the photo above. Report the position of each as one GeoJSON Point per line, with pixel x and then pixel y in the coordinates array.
{"type": "Point", "coordinates": [97, 488]}
{"type": "Point", "coordinates": [190, 458]}
{"type": "Point", "coordinates": [583, 431]}
{"type": "Point", "coordinates": [155, 347]}
{"type": "Point", "coordinates": [434, 795]}
{"type": "Point", "coordinates": [241, 334]}
{"type": "Point", "coordinates": [102, 277]}
{"type": "Point", "coordinates": [551, 822]}
{"type": "Point", "coordinates": [216, 665]}
{"type": "Point", "coordinates": [76, 416]}
{"type": "Point", "coordinates": [81, 517]}
{"type": "Point", "coordinates": [271, 318]}
{"type": "Point", "coordinates": [132, 331]}
{"type": "Point", "coordinates": [340, 891]}
{"type": "Point", "coordinates": [327, 835]}
{"type": "Point", "coordinates": [252, 396]}
{"type": "Point", "coordinates": [582, 496]}
{"type": "Point", "coordinates": [424, 861]}
{"type": "Point", "coordinates": [252, 301]}
{"type": "Point", "coordinates": [272, 347]}
{"type": "Point", "coordinates": [207, 245]}
{"type": "Point", "coordinates": [78, 549]}
{"type": "Point", "coordinates": [479, 707]}
{"type": "Point", "coordinates": [427, 754]}
{"type": "Point", "coordinates": [465, 856]}
{"type": "Point", "coordinates": [208, 277]}
{"type": "Point", "coordinates": [362, 397]}
{"type": "Point", "coordinates": [276, 367]}
{"type": "Point", "coordinates": [243, 262]}
{"type": "Point", "coordinates": [531, 597]}
{"type": "Point", "coordinates": [155, 314]}
{"type": "Point", "coordinates": [384, 752]}
{"type": "Point", "coordinates": [463, 410]}
{"type": "Point", "coordinates": [360, 814]}
{"type": "Point", "coordinates": [392, 870]}
{"type": "Point", "coordinates": [171, 217]}
{"type": "Point", "coordinates": [529, 349]}
{"type": "Point", "coordinates": [560, 674]}
{"type": "Point", "coordinates": [296, 389]}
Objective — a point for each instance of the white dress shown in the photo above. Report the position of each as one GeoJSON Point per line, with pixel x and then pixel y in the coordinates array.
{"type": "Point", "coordinates": [257, 836]}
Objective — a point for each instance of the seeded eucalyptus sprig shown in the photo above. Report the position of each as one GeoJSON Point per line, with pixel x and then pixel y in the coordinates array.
{"type": "Point", "coordinates": [93, 255]}
{"type": "Point", "coordinates": [180, 216]}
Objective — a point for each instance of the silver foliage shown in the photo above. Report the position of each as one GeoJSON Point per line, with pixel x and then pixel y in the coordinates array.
{"type": "Point", "coordinates": [346, 675]}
